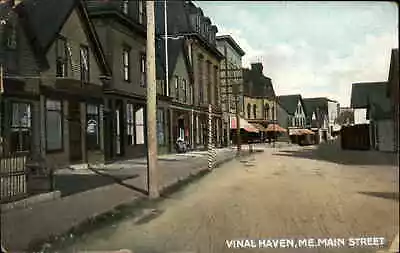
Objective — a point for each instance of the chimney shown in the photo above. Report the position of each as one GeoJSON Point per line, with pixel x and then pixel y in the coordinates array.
{"type": "Point", "coordinates": [257, 67]}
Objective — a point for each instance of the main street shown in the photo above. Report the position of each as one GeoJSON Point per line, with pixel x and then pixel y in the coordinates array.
{"type": "Point", "coordinates": [289, 192]}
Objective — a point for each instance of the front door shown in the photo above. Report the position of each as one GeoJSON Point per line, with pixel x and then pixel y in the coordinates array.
{"type": "Point", "coordinates": [75, 134]}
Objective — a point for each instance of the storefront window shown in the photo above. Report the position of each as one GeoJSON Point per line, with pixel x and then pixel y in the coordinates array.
{"type": "Point", "coordinates": [53, 125]}
{"type": "Point", "coordinates": [130, 124]}
{"type": "Point", "coordinates": [20, 127]}
{"type": "Point", "coordinates": [160, 127]}
{"type": "Point", "coordinates": [92, 127]}
{"type": "Point", "coordinates": [139, 126]}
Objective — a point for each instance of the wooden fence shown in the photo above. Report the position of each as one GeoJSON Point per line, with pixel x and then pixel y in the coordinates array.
{"type": "Point", "coordinates": [13, 176]}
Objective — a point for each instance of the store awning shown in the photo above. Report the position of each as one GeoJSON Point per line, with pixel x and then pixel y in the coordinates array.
{"type": "Point", "coordinates": [275, 128]}
{"type": "Point", "coordinates": [301, 132]}
{"type": "Point", "coordinates": [243, 125]}
{"type": "Point", "coordinates": [259, 127]}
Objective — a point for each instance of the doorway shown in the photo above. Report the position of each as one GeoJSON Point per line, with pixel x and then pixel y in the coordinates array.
{"type": "Point", "coordinates": [75, 134]}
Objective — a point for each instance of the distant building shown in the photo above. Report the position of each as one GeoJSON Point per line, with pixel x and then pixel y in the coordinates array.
{"type": "Point", "coordinates": [231, 80]}
{"type": "Point", "coordinates": [393, 93]}
{"type": "Point", "coordinates": [346, 116]}
{"type": "Point", "coordinates": [318, 117]}
{"type": "Point", "coordinates": [372, 97]}
{"type": "Point", "coordinates": [259, 96]}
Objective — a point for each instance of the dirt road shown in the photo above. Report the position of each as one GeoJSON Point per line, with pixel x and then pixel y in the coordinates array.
{"type": "Point", "coordinates": [294, 193]}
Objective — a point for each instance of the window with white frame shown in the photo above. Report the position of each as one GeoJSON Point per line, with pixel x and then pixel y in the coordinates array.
{"type": "Point", "coordinates": [61, 57]}
{"type": "Point", "coordinates": [125, 6]}
{"type": "Point", "coordinates": [125, 63]}
{"type": "Point", "coordinates": [130, 123]}
{"type": "Point", "coordinates": [184, 90]}
{"type": "Point", "coordinates": [84, 62]}
{"type": "Point", "coordinates": [54, 129]}
{"type": "Point", "coordinates": [139, 126]}
{"type": "Point", "coordinates": [142, 11]}
{"type": "Point", "coordinates": [142, 70]}
{"type": "Point", "coordinates": [21, 127]}
{"type": "Point", "coordinates": [177, 87]}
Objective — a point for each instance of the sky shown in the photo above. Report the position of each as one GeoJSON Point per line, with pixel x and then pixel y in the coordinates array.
{"type": "Point", "coordinates": [311, 48]}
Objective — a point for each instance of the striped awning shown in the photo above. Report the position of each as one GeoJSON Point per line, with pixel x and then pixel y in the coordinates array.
{"type": "Point", "coordinates": [275, 128]}
{"type": "Point", "coordinates": [243, 125]}
{"type": "Point", "coordinates": [301, 132]}
{"type": "Point", "coordinates": [259, 127]}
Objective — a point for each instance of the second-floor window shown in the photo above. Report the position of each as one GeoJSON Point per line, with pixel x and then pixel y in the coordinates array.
{"type": "Point", "coordinates": [125, 63]}
{"type": "Point", "coordinates": [61, 57]}
{"type": "Point", "coordinates": [125, 7]}
{"type": "Point", "coordinates": [184, 89]}
{"type": "Point", "coordinates": [248, 111]}
{"type": "Point", "coordinates": [11, 36]}
{"type": "Point", "coordinates": [177, 87]}
{"type": "Point", "coordinates": [191, 94]}
{"type": "Point", "coordinates": [143, 70]}
{"type": "Point", "coordinates": [84, 62]}
{"type": "Point", "coordinates": [216, 86]}
{"type": "Point", "coordinates": [255, 111]}
{"type": "Point", "coordinates": [142, 11]}
{"type": "Point", "coordinates": [201, 78]}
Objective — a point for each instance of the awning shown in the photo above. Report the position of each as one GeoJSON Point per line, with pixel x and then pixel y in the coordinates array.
{"type": "Point", "coordinates": [259, 127]}
{"type": "Point", "coordinates": [275, 128]}
{"type": "Point", "coordinates": [243, 125]}
{"type": "Point", "coordinates": [301, 132]}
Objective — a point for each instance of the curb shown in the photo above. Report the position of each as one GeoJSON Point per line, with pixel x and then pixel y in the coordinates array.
{"type": "Point", "coordinates": [121, 211]}
{"type": "Point", "coordinates": [24, 203]}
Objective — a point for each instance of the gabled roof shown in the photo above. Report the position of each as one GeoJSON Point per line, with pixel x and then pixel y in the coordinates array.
{"type": "Point", "coordinates": [363, 94]}
{"type": "Point", "coordinates": [44, 19]}
{"type": "Point", "coordinates": [394, 69]}
{"type": "Point", "coordinates": [371, 95]}
{"type": "Point", "coordinates": [175, 49]}
{"type": "Point", "coordinates": [289, 102]}
{"type": "Point", "coordinates": [311, 105]}
{"type": "Point", "coordinates": [179, 23]}
{"type": "Point", "coordinates": [232, 43]}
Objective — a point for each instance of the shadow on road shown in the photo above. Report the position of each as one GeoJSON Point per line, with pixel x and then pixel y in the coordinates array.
{"type": "Point", "coordinates": [73, 184]}
{"type": "Point", "coordinates": [332, 152]}
{"type": "Point", "coordinates": [385, 195]}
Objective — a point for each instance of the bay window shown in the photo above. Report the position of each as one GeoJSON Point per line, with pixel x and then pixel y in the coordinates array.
{"type": "Point", "coordinates": [54, 128]}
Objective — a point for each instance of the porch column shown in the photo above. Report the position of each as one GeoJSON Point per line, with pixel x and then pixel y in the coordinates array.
{"type": "Point", "coordinates": [83, 131]}
{"type": "Point", "coordinates": [171, 131]}
{"type": "Point", "coordinates": [42, 128]}
{"type": "Point", "coordinates": [192, 129]}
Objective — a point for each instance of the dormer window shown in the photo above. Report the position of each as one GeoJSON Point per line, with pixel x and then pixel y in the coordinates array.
{"type": "Point", "coordinates": [125, 7]}
{"type": "Point", "coordinates": [61, 57]}
{"type": "Point", "coordinates": [11, 37]}
{"type": "Point", "coordinates": [198, 23]}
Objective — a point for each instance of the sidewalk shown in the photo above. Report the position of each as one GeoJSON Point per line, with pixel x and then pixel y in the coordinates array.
{"type": "Point", "coordinates": [21, 227]}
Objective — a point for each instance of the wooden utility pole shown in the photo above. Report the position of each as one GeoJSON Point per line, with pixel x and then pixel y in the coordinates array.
{"type": "Point", "coordinates": [237, 97]}
{"type": "Point", "coordinates": [152, 172]}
